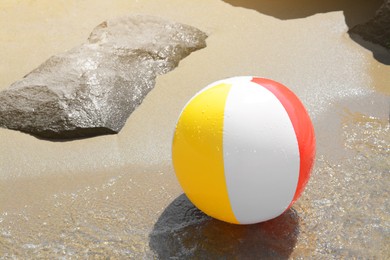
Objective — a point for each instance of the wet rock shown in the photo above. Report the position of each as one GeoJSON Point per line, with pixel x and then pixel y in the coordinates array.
{"type": "Point", "coordinates": [92, 89]}
{"type": "Point", "coordinates": [377, 30]}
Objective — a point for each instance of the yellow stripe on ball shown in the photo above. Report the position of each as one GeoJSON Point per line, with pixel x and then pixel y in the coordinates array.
{"type": "Point", "coordinates": [197, 151]}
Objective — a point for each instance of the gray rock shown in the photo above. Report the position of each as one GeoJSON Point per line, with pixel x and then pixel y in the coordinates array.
{"type": "Point", "coordinates": [377, 30]}
{"type": "Point", "coordinates": [92, 89]}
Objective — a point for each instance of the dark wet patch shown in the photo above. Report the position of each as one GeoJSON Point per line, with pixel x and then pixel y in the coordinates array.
{"type": "Point", "coordinates": [355, 12]}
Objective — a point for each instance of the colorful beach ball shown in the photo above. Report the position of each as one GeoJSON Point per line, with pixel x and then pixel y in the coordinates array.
{"type": "Point", "coordinates": [243, 149]}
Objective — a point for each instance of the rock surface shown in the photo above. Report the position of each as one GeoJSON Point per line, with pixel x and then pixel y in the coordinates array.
{"type": "Point", "coordinates": [377, 30]}
{"type": "Point", "coordinates": [92, 89]}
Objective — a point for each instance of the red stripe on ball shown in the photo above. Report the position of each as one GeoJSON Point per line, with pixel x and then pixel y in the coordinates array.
{"type": "Point", "coordinates": [303, 128]}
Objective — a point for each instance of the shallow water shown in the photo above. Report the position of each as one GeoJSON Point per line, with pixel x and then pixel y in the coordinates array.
{"type": "Point", "coordinates": [118, 196]}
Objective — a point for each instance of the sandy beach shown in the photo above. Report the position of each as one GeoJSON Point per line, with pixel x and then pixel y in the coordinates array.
{"type": "Point", "coordinates": [117, 195]}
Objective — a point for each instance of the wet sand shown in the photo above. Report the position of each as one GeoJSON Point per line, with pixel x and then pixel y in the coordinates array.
{"type": "Point", "coordinates": [111, 195]}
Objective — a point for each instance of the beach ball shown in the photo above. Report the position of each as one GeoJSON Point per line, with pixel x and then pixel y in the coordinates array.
{"type": "Point", "coordinates": [243, 149]}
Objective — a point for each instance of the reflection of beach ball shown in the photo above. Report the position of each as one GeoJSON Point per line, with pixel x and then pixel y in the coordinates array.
{"type": "Point", "coordinates": [243, 149]}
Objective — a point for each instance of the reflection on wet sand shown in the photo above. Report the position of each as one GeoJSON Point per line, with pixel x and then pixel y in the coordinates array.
{"type": "Point", "coordinates": [182, 231]}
